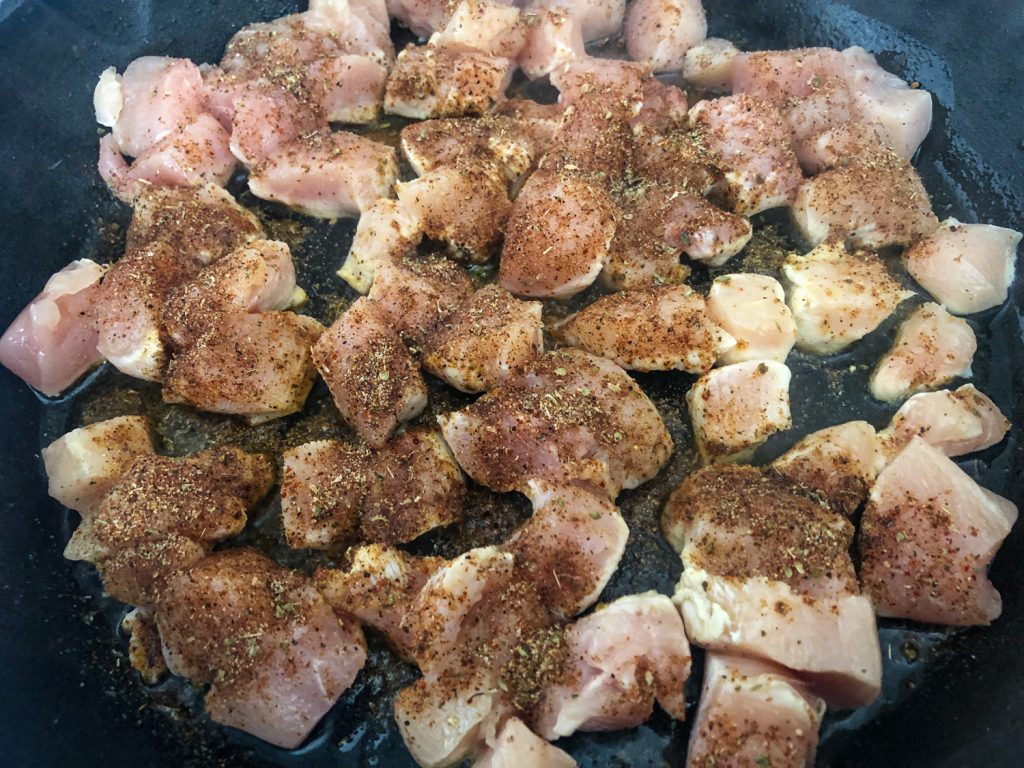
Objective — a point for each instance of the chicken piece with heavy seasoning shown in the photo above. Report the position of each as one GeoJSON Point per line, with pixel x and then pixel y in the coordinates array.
{"type": "Point", "coordinates": [927, 537]}
{"type": "Point", "coordinates": [767, 573]}
{"type": "Point", "coordinates": [656, 329]}
{"type": "Point", "coordinates": [323, 487]}
{"type": "Point", "coordinates": [679, 159]}
{"type": "Point", "coordinates": [752, 309]}
{"type": "Point", "coordinates": [660, 32]}
{"type": "Point", "coordinates": [276, 657]}
{"type": "Point", "coordinates": [428, 81]}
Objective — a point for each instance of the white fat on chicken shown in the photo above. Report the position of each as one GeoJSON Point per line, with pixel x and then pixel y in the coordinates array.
{"type": "Point", "coordinates": [735, 408]}
{"type": "Point", "coordinates": [708, 64]}
{"type": "Point", "coordinates": [838, 297]}
{"type": "Point", "coordinates": [516, 746]}
{"type": "Point", "coordinates": [752, 309]}
{"type": "Point", "coordinates": [660, 32]}
{"type": "Point", "coordinates": [931, 349]}
{"type": "Point", "coordinates": [967, 268]}
{"type": "Point", "coordinates": [386, 229]}
{"type": "Point", "coordinates": [927, 537]}
{"type": "Point", "coordinates": [427, 81]}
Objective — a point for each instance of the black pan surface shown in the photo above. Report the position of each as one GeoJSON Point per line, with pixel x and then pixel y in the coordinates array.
{"type": "Point", "coordinates": [70, 696]}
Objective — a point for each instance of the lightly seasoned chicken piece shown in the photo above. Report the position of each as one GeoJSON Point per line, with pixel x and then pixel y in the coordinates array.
{"type": "Point", "coordinates": [553, 39]}
{"type": "Point", "coordinates": [52, 342]}
{"type": "Point", "coordinates": [837, 297]}
{"type": "Point", "coordinates": [386, 229]}
{"type": "Point", "coordinates": [84, 464]}
{"type": "Point", "coordinates": [657, 329]}
{"type": "Point", "coordinates": [493, 28]}
{"type": "Point", "coordinates": [164, 514]}
{"type": "Point", "coordinates": [330, 176]}
{"type": "Point", "coordinates": [427, 81]}
{"type": "Point", "coordinates": [842, 145]}
{"type": "Point", "coordinates": [966, 267]}
{"type": "Point", "coordinates": [323, 486]}
{"type": "Point", "coordinates": [485, 340]}
{"type": "Point", "coordinates": [557, 236]}
{"type": "Point", "coordinates": [708, 64]}
{"type": "Point", "coordinates": [568, 416]}
{"type": "Point", "coordinates": [931, 349]}
{"type": "Point", "coordinates": [374, 380]}
{"type": "Point", "coordinates": [664, 108]}
{"type": "Point", "coordinates": [927, 537]}
{"type": "Point", "coordinates": [597, 19]}
{"type": "Point", "coordinates": [868, 205]}
{"type": "Point", "coordinates": [735, 408]}
{"type": "Point", "coordinates": [275, 655]}
{"type": "Point", "coordinates": [752, 309]}
{"type": "Point", "coordinates": [620, 660]}
{"type": "Point", "coordinates": [516, 746]}
{"type": "Point", "coordinates": [767, 573]}
{"type": "Point", "coordinates": [200, 223]}
{"type": "Point", "coordinates": [956, 422]}
{"type": "Point", "coordinates": [838, 464]}
{"type": "Point", "coordinates": [660, 32]}
{"type": "Point", "coordinates": [254, 365]}
{"type": "Point", "coordinates": [753, 713]}
{"type": "Point", "coordinates": [752, 144]}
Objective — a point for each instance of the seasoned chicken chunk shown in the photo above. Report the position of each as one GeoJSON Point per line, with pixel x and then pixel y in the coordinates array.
{"type": "Point", "coordinates": [927, 537]}
{"type": "Point", "coordinates": [752, 309]}
{"type": "Point", "coordinates": [553, 39]}
{"type": "Point", "coordinates": [842, 145]}
{"type": "Point", "coordinates": [660, 32]}
{"type": "Point", "coordinates": [421, 16]}
{"type": "Point", "coordinates": [767, 573]}
{"type": "Point", "coordinates": [680, 160]}
{"type": "Point", "coordinates": [708, 64]}
{"type": "Point", "coordinates": [966, 267]}
{"type": "Point", "coordinates": [931, 349]}
{"type": "Point", "coordinates": [597, 19]}
{"type": "Point", "coordinates": [735, 408]}
{"type": "Point", "coordinates": [516, 746]}
{"type": "Point", "coordinates": [84, 464]}
{"type": "Point", "coordinates": [494, 28]}
{"type": "Point", "coordinates": [275, 655]}
{"type": "Point", "coordinates": [657, 329]}
{"type": "Point", "coordinates": [837, 297]}
{"type": "Point", "coordinates": [372, 377]}
{"type": "Point", "coordinates": [485, 340]}
{"type": "Point", "coordinates": [386, 229]}
{"type": "Point", "coordinates": [323, 487]}
{"type": "Point", "coordinates": [428, 81]}
{"type": "Point", "coordinates": [753, 713]}
{"type": "Point", "coordinates": [494, 141]}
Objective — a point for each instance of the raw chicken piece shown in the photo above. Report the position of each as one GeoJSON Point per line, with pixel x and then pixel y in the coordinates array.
{"type": "Point", "coordinates": [503, 143]}
{"type": "Point", "coordinates": [956, 422]}
{"type": "Point", "coordinates": [665, 108]}
{"type": "Point", "coordinates": [678, 160]}
{"type": "Point", "coordinates": [351, 88]}
{"type": "Point", "coordinates": [258, 366]}
{"type": "Point", "coordinates": [265, 117]}
{"type": "Point", "coordinates": [570, 547]}
{"type": "Point", "coordinates": [966, 267]}
{"type": "Point", "coordinates": [482, 25]}
{"type": "Point", "coordinates": [372, 377]}
{"type": "Point", "coordinates": [621, 659]}
{"type": "Point", "coordinates": [540, 121]}
{"type": "Point", "coordinates": [421, 16]}
{"type": "Point", "coordinates": [275, 655]}
{"type": "Point", "coordinates": [416, 293]}
{"type": "Point", "coordinates": [767, 573]}
{"type": "Point", "coordinates": [838, 464]}
{"type": "Point", "coordinates": [459, 205]}
{"type": "Point", "coordinates": [753, 714]}
{"type": "Point", "coordinates": [329, 176]}
{"type": "Point", "coordinates": [558, 235]}
{"type": "Point", "coordinates": [201, 223]}
{"type": "Point", "coordinates": [660, 32]}
{"type": "Point", "coordinates": [52, 341]}
{"type": "Point", "coordinates": [927, 537]}
{"type": "Point", "coordinates": [610, 79]}
{"type": "Point", "coordinates": [485, 341]}
{"type": "Point", "coordinates": [753, 147]}
{"type": "Point", "coordinates": [735, 408]}
{"type": "Point", "coordinates": [597, 19]}
{"type": "Point", "coordinates": [752, 309]}
{"type": "Point", "coordinates": [596, 135]}
{"type": "Point", "coordinates": [842, 145]}
{"type": "Point", "coordinates": [568, 416]}
{"type": "Point", "coordinates": [164, 514]}
{"type": "Point", "coordinates": [931, 349]}
{"type": "Point", "coordinates": [386, 229]}
{"type": "Point", "coordinates": [867, 205]}
{"type": "Point", "coordinates": [708, 64]}
{"type": "Point", "coordinates": [323, 486]}
{"type": "Point", "coordinates": [837, 297]}
{"type": "Point", "coordinates": [657, 329]}
{"type": "Point", "coordinates": [516, 746]}
{"type": "Point", "coordinates": [84, 464]}
{"type": "Point", "coordinates": [553, 39]}
{"type": "Point", "coordinates": [442, 82]}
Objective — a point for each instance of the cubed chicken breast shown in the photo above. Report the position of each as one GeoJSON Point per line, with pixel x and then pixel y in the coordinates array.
{"type": "Point", "coordinates": [927, 537]}
{"type": "Point", "coordinates": [931, 349]}
{"type": "Point", "coordinates": [752, 309]}
{"type": "Point", "coordinates": [485, 340]}
{"type": "Point", "coordinates": [838, 297]}
{"type": "Point", "coordinates": [597, 19]}
{"type": "Point", "coordinates": [422, 17]}
{"type": "Point", "coordinates": [842, 145]}
{"type": "Point", "coordinates": [516, 746]}
{"type": "Point", "coordinates": [488, 141]}
{"type": "Point", "coordinates": [386, 230]}
{"type": "Point", "coordinates": [735, 408]}
{"type": "Point", "coordinates": [767, 573]}
{"type": "Point", "coordinates": [753, 714]}
{"type": "Point", "coordinates": [276, 657]}
{"type": "Point", "coordinates": [53, 341]}
{"type": "Point", "coordinates": [660, 32]}
{"type": "Point", "coordinates": [427, 81]}
{"type": "Point", "coordinates": [374, 380]}
{"type": "Point", "coordinates": [553, 39]}
{"type": "Point", "coordinates": [265, 117]}
{"type": "Point", "coordinates": [494, 28]}
{"type": "Point", "coordinates": [708, 64]}
{"type": "Point", "coordinates": [84, 464]}
{"type": "Point", "coordinates": [665, 107]}
{"type": "Point", "coordinates": [679, 160]}
{"type": "Point", "coordinates": [658, 329]}
{"type": "Point", "coordinates": [966, 267]}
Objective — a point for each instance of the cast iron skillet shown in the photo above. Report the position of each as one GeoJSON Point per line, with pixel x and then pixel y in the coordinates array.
{"type": "Point", "coordinates": [69, 697]}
